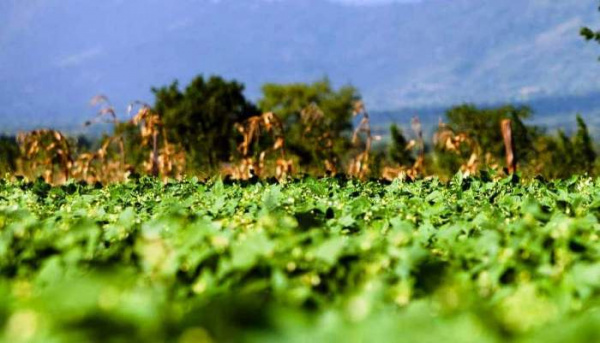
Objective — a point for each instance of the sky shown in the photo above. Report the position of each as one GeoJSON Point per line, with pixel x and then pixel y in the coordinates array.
{"type": "Point", "coordinates": [374, 2]}
{"type": "Point", "coordinates": [58, 54]}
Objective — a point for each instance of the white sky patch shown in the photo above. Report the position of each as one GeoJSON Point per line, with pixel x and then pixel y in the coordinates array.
{"type": "Point", "coordinates": [561, 32]}
{"type": "Point", "coordinates": [180, 24]}
{"type": "Point", "coordinates": [80, 57]}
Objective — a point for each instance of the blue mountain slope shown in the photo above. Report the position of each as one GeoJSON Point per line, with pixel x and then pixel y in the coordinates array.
{"type": "Point", "coordinates": [56, 54]}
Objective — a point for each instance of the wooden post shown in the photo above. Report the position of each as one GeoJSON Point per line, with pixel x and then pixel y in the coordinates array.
{"type": "Point", "coordinates": [509, 145]}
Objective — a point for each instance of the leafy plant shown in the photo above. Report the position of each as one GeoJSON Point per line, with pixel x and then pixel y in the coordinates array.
{"type": "Point", "coordinates": [308, 260]}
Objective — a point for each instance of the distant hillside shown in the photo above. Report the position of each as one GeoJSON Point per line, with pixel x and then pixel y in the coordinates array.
{"type": "Point", "coordinates": [57, 54]}
{"type": "Point", "coordinates": [551, 113]}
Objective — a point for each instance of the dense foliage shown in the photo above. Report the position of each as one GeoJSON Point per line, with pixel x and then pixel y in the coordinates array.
{"type": "Point", "coordinates": [397, 147]}
{"type": "Point", "coordinates": [290, 101]}
{"type": "Point", "coordinates": [590, 34]}
{"type": "Point", "coordinates": [9, 153]}
{"type": "Point", "coordinates": [325, 260]}
{"type": "Point", "coordinates": [201, 117]}
{"type": "Point", "coordinates": [482, 125]}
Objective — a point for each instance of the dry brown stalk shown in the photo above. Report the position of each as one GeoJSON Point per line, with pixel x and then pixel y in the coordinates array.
{"type": "Point", "coordinates": [446, 139]}
{"type": "Point", "coordinates": [418, 168]}
{"type": "Point", "coordinates": [243, 170]}
{"type": "Point", "coordinates": [311, 116]}
{"type": "Point", "coordinates": [511, 156]}
{"type": "Point", "coordinates": [405, 172]}
{"type": "Point", "coordinates": [251, 130]}
{"type": "Point", "coordinates": [359, 165]}
{"type": "Point", "coordinates": [106, 110]}
{"type": "Point", "coordinates": [99, 166]}
{"type": "Point", "coordinates": [402, 173]}
{"type": "Point", "coordinates": [46, 149]}
{"type": "Point", "coordinates": [164, 159]}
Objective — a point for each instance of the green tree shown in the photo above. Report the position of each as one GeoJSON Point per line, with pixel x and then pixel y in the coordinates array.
{"type": "Point", "coordinates": [483, 126]}
{"type": "Point", "coordinates": [9, 153]}
{"type": "Point", "coordinates": [397, 151]}
{"type": "Point", "coordinates": [584, 156]}
{"type": "Point", "coordinates": [590, 34]}
{"type": "Point", "coordinates": [561, 156]}
{"type": "Point", "coordinates": [201, 117]}
{"type": "Point", "coordinates": [288, 101]}
{"type": "Point", "coordinates": [134, 154]}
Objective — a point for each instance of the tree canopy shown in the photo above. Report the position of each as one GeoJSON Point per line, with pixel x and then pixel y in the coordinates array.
{"type": "Point", "coordinates": [335, 109]}
{"type": "Point", "coordinates": [397, 150]}
{"type": "Point", "coordinates": [288, 101]}
{"type": "Point", "coordinates": [483, 126]}
{"type": "Point", "coordinates": [591, 34]}
{"type": "Point", "coordinates": [9, 152]}
{"type": "Point", "coordinates": [202, 116]}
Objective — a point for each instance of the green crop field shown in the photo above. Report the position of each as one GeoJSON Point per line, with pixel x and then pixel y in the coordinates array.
{"type": "Point", "coordinates": [313, 260]}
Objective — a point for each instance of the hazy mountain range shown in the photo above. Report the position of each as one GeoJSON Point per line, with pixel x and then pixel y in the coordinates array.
{"type": "Point", "coordinates": [57, 54]}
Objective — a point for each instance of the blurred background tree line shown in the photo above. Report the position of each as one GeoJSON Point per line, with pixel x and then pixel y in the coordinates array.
{"type": "Point", "coordinates": [200, 119]}
{"type": "Point", "coordinates": [210, 124]}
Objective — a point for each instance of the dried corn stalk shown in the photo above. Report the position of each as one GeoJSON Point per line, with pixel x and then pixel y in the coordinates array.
{"type": "Point", "coordinates": [446, 139]}
{"type": "Point", "coordinates": [164, 157]}
{"type": "Point", "coordinates": [45, 149]}
{"type": "Point", "coordinates": [99, 166]}
{"type": "Point", "coordinates": [251, 130]}
{"type": "Point", "coordinates": [417, 169]}
{"type": "Point", "coordinates": [402, 173]}
{"type": "Point", "coordinates": [359, 165]}
{"type": "Point", "coordinates": [106, 110]}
